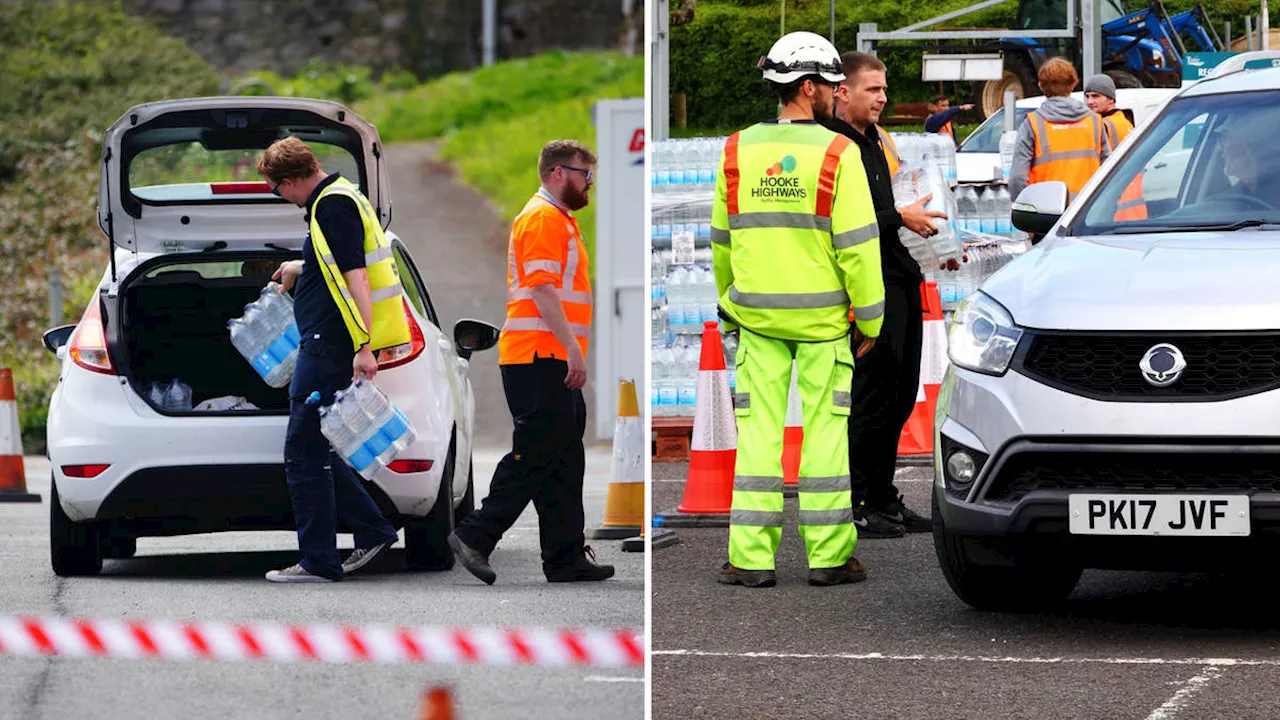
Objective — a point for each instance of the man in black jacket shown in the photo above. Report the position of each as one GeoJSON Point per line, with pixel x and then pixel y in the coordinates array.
{"type": "Point", "coordinates": [885, 381]}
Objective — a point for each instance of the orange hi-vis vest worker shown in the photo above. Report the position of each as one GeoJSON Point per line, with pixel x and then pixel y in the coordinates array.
{"type": "Point", "coordinates": [1068, 152]}
{"type": "Point", "coordinates": [949, 130]}
{"type": "Point", "coordinates": [890, 149]}
{"type": "Point", "coordinates": [1131, 206]}
{"type": "Point", "coordinates": [545, 248]}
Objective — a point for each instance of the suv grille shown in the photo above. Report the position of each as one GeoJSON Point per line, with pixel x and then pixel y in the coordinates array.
{"type": "Point", "coordinates": [1025, 472]}
{"type": "Point", "coordinates": [1105, 366]}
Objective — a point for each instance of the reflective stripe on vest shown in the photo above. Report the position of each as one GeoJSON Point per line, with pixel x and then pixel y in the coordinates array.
{"type": "Point", "coordinates": [1071, 154]}
{"type": "Point", "coordinates": [1118, 128]}
{"type": "Point", "coordinates": [525, 332]}
{"type": "Point", "coordinates": [390, 326]}
{"type": "Point", "coordinates": [890, 150]}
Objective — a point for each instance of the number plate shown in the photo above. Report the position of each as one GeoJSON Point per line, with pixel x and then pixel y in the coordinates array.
{"type": "Point", "coordinates": [1115, 514]}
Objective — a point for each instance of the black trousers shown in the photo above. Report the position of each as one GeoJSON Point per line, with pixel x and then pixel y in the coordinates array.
{"type": "Point", "coordinates": [545, 466]}
{"type": "Point", "coordinates": [885, 383]}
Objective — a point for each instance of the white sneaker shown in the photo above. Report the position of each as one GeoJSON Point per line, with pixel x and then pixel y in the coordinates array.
{"type": "Point", "coordinates": [363, 556]}
{"type": "Point", "coordinates": [295, 574]}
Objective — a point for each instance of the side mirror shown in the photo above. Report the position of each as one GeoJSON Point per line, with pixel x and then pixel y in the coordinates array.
{"type": "Point", "coordinates": [471, 336]}
{"type": "Point", "coordinates": [1039, 206]}
{"type": "Point", "coordinates": [57, 337]}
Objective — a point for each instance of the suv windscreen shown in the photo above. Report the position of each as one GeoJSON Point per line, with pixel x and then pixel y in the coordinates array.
{"type": "Point", "coordinates": [986, 139]}
{"type": "Point", "coordinates": [1208, 162]}
{"type": "Point", "coordinates": [184, 171]}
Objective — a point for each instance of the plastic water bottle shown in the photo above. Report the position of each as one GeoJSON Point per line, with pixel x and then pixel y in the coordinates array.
{"type": "Point", "coordinates": [1004, 212]}
{"type": "Point", "coordinates": [687, 393]}
{"type": "Point", "coordinates": [156, 394]}
{"type": "Point", "coordinates": [966, 208]}
{"type": "Point", "coordinates": [988, 211]}
{"type": "Point", "coordinates": [267, 337]}
{"type": "Point", "coordinates": [1008, 141]}
{"type": "Point", "coordinates": [178, 397]}
{"type": "Point", "coordinates": [664, 380]}
{"type": "Point", "coordinates": [394, 433]}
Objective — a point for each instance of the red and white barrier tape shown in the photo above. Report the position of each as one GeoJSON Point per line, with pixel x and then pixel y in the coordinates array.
{"type": "Point", "coordinates": [276, 642]}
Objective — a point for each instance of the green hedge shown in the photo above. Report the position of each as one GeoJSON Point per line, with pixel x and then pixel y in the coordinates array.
{"type": "Point", "coordinates": [713, 59]}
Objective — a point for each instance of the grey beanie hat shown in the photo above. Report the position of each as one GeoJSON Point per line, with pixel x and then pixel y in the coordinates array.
{"type": "Point", "coordinates": [1101, 84]}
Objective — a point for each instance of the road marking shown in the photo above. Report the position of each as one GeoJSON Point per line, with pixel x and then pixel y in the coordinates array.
{"type": "Point", "coordinates": [1185, 693]}
{"type": "Point", "coordinates": [608, 679]}
{"type": "Point", "coordinates": [1218, 662]}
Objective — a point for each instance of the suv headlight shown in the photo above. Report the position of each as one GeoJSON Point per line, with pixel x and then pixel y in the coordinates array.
{"type": "Point", "coordinates": [983, 336]}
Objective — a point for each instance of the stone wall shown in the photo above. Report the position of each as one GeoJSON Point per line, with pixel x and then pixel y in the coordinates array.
{"type": "Point", "coordinates": [429, 37]}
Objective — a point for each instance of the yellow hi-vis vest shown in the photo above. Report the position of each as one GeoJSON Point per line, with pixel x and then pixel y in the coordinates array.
{"type": "Point", "coordinates": [390, 327]}
{"type": "Point", "coordinates": [794, 236]}
{"type": "Point", "coordinates": [890, 149]}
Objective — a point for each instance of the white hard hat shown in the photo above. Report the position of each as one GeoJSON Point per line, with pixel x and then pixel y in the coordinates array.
{"type": "Point", "coordinates": [799, 54]}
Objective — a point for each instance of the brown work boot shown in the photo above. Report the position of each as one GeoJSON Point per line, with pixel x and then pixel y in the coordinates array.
{"type": "Point", "coordinates": [850, 572]}
{"type": "Point", "coordinates": [732, 575]}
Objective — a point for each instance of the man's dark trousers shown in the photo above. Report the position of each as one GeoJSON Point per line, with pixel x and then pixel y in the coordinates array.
{"type": "Point", "coordinates": [545, 466]}
{"type": "Point", "coordinates": [885, 384]}
{"type": "Point", "coordinates": [322, 487]}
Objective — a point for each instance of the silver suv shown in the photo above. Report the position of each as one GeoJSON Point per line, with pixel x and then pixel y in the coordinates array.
{"type": "Point", "coordinates": [1113, 397]}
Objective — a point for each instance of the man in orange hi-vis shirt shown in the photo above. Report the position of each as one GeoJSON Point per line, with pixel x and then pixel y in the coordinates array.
{"type": "Point", "coordinates": [542, 355]}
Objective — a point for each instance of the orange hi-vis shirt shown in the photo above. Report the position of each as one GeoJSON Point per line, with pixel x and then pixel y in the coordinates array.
{"type": "Point", "coordinates": [545, 248]}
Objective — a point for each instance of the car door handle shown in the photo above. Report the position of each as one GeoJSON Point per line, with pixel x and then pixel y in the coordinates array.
{"type": "Point", "coordinates": [1157, 166]}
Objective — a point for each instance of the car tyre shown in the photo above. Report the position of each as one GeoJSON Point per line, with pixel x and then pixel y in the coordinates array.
{"type": "Point", "coordinates": [75, 549]}
{"type": "Point", "coordinates": [426, 544]}
{"type": "Point", "coordinates": [1027, 585]}
{"type": "Point", "coordinates": [468, 504]}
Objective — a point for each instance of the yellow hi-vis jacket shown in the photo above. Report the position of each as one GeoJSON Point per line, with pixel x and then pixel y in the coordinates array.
{"type": "Point", "coordinates": [390, 327]}
{"type": "Point", "coordinates": [890, 149]}
{"type": "Point", "coordinates": [794, 234]}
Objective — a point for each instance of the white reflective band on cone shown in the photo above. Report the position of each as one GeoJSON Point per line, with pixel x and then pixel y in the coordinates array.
{"type": "Point", "coordinates": [714, 425]}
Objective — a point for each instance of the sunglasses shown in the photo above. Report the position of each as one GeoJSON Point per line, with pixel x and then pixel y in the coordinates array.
{"type": "Point", "coordinates": [275, 190]}
{"type": "Point", "coordinates": [586, 172]}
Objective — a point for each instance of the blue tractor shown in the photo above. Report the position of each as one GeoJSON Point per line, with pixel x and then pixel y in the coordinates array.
{"type": "Point", "coordinates": [1140, 49]}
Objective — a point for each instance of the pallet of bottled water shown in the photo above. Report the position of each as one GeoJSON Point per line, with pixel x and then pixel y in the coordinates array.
{"type": "Point", "coordinates": [267, 336]}
{"type": "Point", "coordinates": [365, 428]}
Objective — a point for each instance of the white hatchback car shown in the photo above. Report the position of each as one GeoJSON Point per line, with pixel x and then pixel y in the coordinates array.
{"type": "Point", "coordinates": [194, 236]}
{"type": "Point", "coordinates": [1114, 394]}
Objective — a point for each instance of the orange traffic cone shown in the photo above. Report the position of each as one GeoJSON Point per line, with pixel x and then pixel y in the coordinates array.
{"type": "Point", "coordinates": [792, 437]}
{"type": "Point", "coordinates": [917, 434]}
{"type": "Point", "coordinates": [13, 474]}
{"type": "Point", "coordinates": [708, 491]}
{"type": "Point", "coordinates": [624, 506]}
{"type": "Point", "coordinates": [437, 704]}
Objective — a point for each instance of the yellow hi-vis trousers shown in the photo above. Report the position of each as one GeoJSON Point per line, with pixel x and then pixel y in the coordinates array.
{"type": "Point", "coordinates": [825, 375]}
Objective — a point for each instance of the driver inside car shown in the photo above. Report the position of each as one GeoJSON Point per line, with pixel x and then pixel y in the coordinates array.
{"type": "Point", "coordinates": [1251, 155]}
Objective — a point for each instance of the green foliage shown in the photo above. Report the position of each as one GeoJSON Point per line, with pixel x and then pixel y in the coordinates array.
{"type": "Point", "coordinates": [713, 59]}
{"type": "Point", "coordinates": [507, 172]}
{"type": "Point", "coordinates": [500, 92]}
{"type": "Point", "coordinates": [347, 84]}
{"type": "Point", "coordinates": [68, 71]}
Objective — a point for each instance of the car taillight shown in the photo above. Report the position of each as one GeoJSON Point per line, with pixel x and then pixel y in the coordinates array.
{"type": "Point", "coordinates": [83, 471]}
{"type": "Point", "coordinates": [88, 346]}
{"type": "Point", "coordinates": [409, 466]}
{"type": "Point", "coordinates": [401, 354]}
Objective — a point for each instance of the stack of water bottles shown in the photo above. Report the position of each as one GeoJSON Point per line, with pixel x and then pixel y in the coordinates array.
{"type": "Point", "coordinates": [913, 147]}
{"type": "Point", "coordinates": [267, 336]}
{"type": "Point", "coordinates": [366, 429]}
{"type": "Point", "coordinates": [683, 291]}
{"type": "Point", "coordinates": [916, 180]}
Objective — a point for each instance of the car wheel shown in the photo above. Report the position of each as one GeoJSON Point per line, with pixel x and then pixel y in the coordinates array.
{"type": "Point", "coordinates": [74, 548]}
{"type": "Point", "coordinates": [426, 544]}
{"type": "Point", "coordinates": [468, 504]}
{"type": "Point", "coordinates": [1025, 584]}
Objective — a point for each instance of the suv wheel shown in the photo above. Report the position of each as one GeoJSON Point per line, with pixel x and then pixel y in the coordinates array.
{"type": "Point", "coordinates": [74, 548]}
{"type": "Point", "coordinates": [469, 498]}
{"type": "Point", "coordinates": [1027, 584]}
{"type": "Point", "coordinates": [426, 544]}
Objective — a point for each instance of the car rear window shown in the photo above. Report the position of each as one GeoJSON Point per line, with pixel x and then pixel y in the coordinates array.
{"type": "Point", "coordinates": [190, 172]}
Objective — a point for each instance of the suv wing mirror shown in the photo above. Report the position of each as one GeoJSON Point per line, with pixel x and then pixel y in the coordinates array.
{"type": "Point", "coordinates": [1039, 206]}
{"type": "Point", "coordinates": [471, 336]}
{"type": "Point", "coordinates": [57, 337]}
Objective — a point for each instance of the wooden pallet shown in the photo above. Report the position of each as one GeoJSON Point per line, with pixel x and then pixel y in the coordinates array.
{"type": "Point", "coordinates": [671, 437]}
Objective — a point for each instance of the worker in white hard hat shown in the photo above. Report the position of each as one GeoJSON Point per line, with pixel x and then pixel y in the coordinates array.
{"type": "Point", "coordinates": [795, 245]}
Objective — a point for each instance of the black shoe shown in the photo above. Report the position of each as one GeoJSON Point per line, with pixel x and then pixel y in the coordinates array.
{"type": "Point", "coordinates": [733, 575]}
{"type": "Point", "coordinates": [581, 569]}
{"type": "Point", "coordinates": [473, 560]}
{"type": "Point", "coordinates": [872, 525]}
{"type": "Point", "coordinates": [850, 572]}
{"type": "Point", "coordinates": [909, 520]}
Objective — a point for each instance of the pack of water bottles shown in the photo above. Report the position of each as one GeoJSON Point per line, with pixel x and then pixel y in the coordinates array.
{"type": "Point", "coordinates": [366, 429]}
{"type": "Point", "coordinates": [173, 396]}
{"type": "Point", "coordinates": [987, 210]}
{"type": "Point", "coordinates": [913, 147]}
{"type": "Point", "coordinates": [267, 336]}
{"type": "Point", "coordinates": [917, 180]}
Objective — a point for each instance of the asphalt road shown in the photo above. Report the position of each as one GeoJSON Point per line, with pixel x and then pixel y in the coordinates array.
{"type": "Point", "coordinates": [901, 645]}
{"type": "Point", "coordinates": [219, 577]}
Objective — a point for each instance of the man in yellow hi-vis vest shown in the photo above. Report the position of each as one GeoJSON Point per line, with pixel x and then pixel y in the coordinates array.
{"type": "Point", "coordinates": [348, 303]}
{"type": "Point", "coordinates": [795, 246]}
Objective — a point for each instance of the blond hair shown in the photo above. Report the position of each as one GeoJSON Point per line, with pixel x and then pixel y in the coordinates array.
{"type": "Point", "coordinates": [1057, 77]}
{"type": "Point", "coordinates": [288, 159]}
{"type": "Point", "coordinates": [563, 152]}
